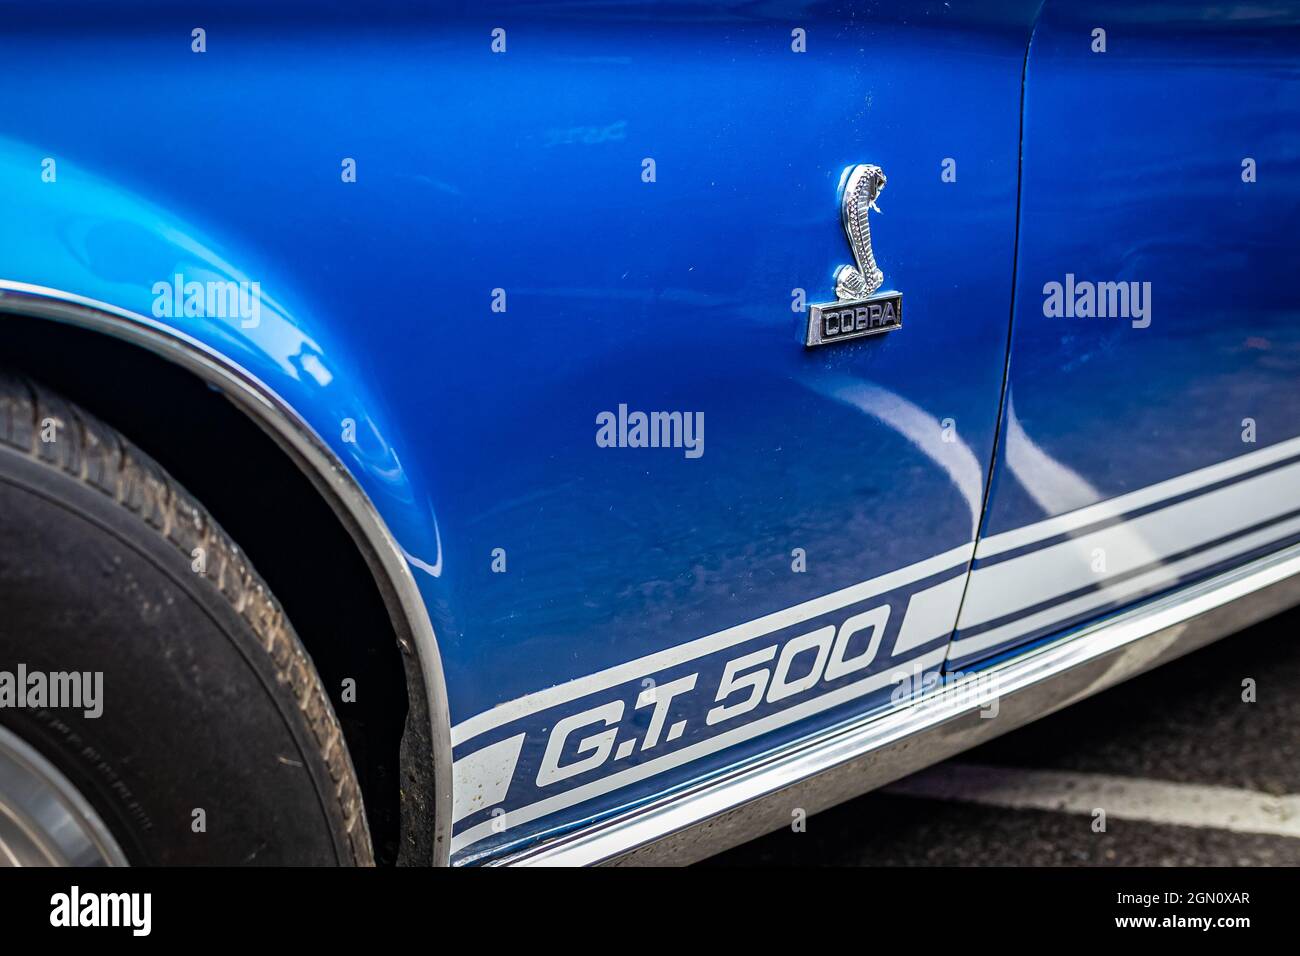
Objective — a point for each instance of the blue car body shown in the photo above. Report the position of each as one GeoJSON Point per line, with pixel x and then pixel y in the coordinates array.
{"type": "Point", "coordinates": [628, 208]}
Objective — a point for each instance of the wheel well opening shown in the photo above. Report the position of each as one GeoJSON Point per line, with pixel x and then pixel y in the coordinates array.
{"type": "Point", "coordinates": [274, 513]}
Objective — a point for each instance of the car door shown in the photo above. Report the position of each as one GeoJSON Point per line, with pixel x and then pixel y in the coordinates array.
{"type": "Point", "coordinates": [660, 613]}
{"type": "Point", "coordinates": [1149, 436]}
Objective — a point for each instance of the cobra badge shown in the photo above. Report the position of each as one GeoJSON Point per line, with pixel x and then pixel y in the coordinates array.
{"type": "Point", "coordinates": [859, 310]}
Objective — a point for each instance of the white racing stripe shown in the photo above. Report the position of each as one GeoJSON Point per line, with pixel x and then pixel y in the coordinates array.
{"type": "Point", "coordinates": [653, 663]}
{"type": "Point", "coordinates": [930, 614]}
{"type": "Point", "coordinates": [483, 778]}
{"type": "Point", "coordinates": [1165, 574]}
{"type": "Point", "coordinates": [756, 728]}
{"type": "Point", "coordinates": [1000, 589]}
{"type": "Point", "coordinates": [1122, 798]}
{"type": "Point", "coordinates": [1152, 494]}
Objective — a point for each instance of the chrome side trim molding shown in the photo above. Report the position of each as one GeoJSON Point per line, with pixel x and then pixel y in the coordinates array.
{"type": "Point", "coordinates": [315, 458]}
{"type": "Point", "coordinates": [838, 764]}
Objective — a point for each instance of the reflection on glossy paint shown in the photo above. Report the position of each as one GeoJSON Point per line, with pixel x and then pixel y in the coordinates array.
{"type": "Point", "coordinates": [923, 430]}
{"type": "Point", "coordinates": [1058, 489]}
{"type": "Point", "coordinates": [1054, 487]}
{"type": "Point", "coordinates": [126, 248]}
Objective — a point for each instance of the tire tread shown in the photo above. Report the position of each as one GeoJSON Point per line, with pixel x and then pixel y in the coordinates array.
{"type": "Point", "coordinates": [99, 456]}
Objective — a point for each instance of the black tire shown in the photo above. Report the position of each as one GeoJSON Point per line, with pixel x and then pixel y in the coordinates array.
{"type": "Point", "coordinates": [210, 701]}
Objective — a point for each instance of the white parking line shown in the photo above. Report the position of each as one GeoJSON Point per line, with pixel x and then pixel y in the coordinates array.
{"type": "Point", "coordinates": [1123, 798]}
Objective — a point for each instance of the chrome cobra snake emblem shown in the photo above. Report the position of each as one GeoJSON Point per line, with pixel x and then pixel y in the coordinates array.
{"type": "Point", "coordinates": [859, 311]}
{"type": "Point", "coordinates": [861, 188]}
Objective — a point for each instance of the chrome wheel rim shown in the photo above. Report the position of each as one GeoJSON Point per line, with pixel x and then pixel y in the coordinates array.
{"type": "Point", "coordinates": [44, 819]}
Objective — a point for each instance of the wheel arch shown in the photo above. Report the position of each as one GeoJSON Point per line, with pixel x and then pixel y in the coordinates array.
{"type": "Point", "coordinates": [333, 482]}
